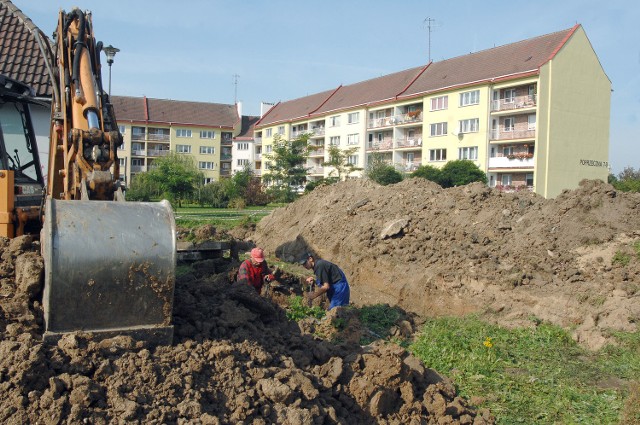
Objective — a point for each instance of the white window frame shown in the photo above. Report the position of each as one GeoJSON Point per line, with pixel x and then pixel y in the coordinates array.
{"type": "Point", "coordinates": [206, 165]}
{"type": "Point", "coordinates": [243, 146]}
{"type": "Point", "coordinates": [509, 124]}
{"type": "Point", "coordinates": [529, 177]}
{"type": "Point", "coordinates": [334, 121]}
{"type": "Point", "coordinates": [353, 139]}
{"type": "Point", "coordinates": [353, 160]}
{"type": "Point", "coordinates": [207, 150]}
{"type": "Point", "coordinates": [436, 155]}
{"type": "Point", "coordinates": [353, 118]}
{"type": "Point", "coordinates": [137, 162]}
{"type": "Point", "coordinates": [207, 134]}
{"type": "Point", "coordinates": [470, 98]}
{"type": "Point", "coordinates": [183, 132]}
{"type": "Point", "coordinates": [334, 141]}
{"type": "Point", "coordinates": [509, 95]}
{"type": "Point", "coordinates": [531, 121]}
{"type": "Point", "coordinates": [281, 129]}
{"type": "Point", "coordinates": [183, 148]}
{"type": "Point", "coordinates": [268, 132]}
{"type": "Point", "coordinates": [439, 103]}
{"type": "Point", "coordinates": [506, 180]}
{"type": "Point", "coordinates": [241, 162]}
{"type": "Point", "coordinates": [438, 129]}
{"type": "Point", "coordinates": [468, 152]}
{"type": "Point", "coordinates": [122, 129]}
{"type": "Point", "coordinates": [469, 126]}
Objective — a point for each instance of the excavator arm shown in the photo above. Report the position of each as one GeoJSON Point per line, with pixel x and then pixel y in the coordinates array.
{"type": "Point", "coordinates": [109, 264]}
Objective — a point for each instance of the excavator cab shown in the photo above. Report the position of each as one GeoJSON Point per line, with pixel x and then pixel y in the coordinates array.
{"type": "Point", "coordinates": [21, 181]}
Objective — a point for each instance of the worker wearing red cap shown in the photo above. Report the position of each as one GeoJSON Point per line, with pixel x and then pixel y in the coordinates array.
{"type": "Point", "coordinates": [254, 270]}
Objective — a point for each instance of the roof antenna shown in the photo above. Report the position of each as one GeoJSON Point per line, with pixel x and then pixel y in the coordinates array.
{"type": "Point", "coordinates": [235, 91]}
{"type": "Point", "coordinates": [428, 21]}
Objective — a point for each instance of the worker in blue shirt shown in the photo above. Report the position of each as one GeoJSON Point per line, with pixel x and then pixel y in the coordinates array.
{"type": "Point", "coordinates": [329, 279]}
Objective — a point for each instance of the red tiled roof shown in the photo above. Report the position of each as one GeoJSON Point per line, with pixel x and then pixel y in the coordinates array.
{"type": "Point", "coordinates": [509, 61]}
{"type": "Point", "coordinates": [143, 109]}
{"type": "Point", "coordinates": [20, 54]}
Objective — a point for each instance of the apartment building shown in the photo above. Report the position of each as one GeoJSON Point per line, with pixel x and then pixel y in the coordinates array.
{"type": "Point", "coordinates": [151, 128]}
{"type": "Point", "coordinates": [247, 150]}
{"type": "Point", "coordinates": [533, 115]}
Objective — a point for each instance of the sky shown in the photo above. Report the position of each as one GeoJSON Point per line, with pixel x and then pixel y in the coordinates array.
{"type": "Point", "coordinates": [250, 51]}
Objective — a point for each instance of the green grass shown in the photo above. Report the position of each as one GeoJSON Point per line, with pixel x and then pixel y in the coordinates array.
{"type": "Point", "coordinates": [223, 218]}
{"type": "Point", "coordinates": [297, 310]}
{"type": "Point", "coordinates": [537, 375]}
{"type": "Point", "coordinates": [378, 319]}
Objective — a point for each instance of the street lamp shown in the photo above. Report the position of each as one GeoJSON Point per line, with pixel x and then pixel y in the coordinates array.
{"type": "Point", "coordinates": [110, 51]}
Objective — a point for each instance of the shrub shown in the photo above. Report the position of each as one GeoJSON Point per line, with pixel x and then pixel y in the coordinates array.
{"type": "Point", "coordinates": [428, 172]}
{"type": "Point", "coordinates": [461, 172]}
{"type": "Point", "coordinates": [385, 175]}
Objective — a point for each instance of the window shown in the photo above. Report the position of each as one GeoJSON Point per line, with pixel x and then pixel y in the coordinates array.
{"type": "Point", "coordinates": [437, 154]}
{"type": "Point", "coordinates": [122, 129]}
{"type": "Point", "coordinates": [207, 150]}
{"type": "Point", "coordinates": [353, 159]}
{"type": "Point", "coordinates": [509, 124]}
{"type": "Point", "coordinates": [181, 132]}
{"type": "Point", "coordinates": [353, 117]}
{"type": "Point", "coordinates": [439, 103]}
{"type": "Point", "coordinates": [507, 150]}
{"type": "Point", "coordinates": [353, 139]}
{"type": "Point", "coordinates": [531, 122]}
{"type": "Point", "coordinates": [505, 180]}
{"type": "Point", "coordinates": [468, 153]}
{"type": "Point", "coordinates": [470, 98]}
{"type": "Point", "coordinates": [529, 179]}
{"type": "Point", "coordinates": [439, 129]}
{"type": "Point", "coordinates": [226, 136]}
{"type": "Point", "coordinates": [509, 95]}
{"type": "Point", "coordinates": [268, 132]}
{"type": "Point", "coordinates": [281, 129]}
{"type": "Point", "coordinates": [137, 162]}
{"type": "Point", "coordinates": [206, 165]}
{"type": "Point", "coordinates": [226, 165]}
{"type": "Point", "coordinates": [243, 146]}
{"type": "Point", "coordinates": [208, 180]}
{"type": "Point", "coordinates": [207, 134]}
{"type": "Point", "coordinates": [269, 149]}
{"type": "Point", "coordinates": [183, 148]}
{"type": "Point", "coordinates": [243, 162]}
{"type": "Point", "coordinates": [469, 126]}
{"type": "Point", "coordinates": [334, 141]}
{"type": "Point", "coordinates": [334, 121]}
{"type": "Point", "coordinates": [122, 162]}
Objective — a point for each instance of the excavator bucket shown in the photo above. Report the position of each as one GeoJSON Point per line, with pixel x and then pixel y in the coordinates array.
{"type": "Point", "coordinates": [109, 269]}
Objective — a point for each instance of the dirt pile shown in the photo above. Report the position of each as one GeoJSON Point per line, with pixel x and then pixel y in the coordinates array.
{"type": "Point", "coordinates": [235, 359]}
{"type": "Point", "coordinates": [514, 257]}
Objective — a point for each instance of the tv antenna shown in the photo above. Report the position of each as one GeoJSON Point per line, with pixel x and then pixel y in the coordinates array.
{"type": "Point", "coordinates": [235, 90]}
{"type": "Point", "coordinates": [430, 23]}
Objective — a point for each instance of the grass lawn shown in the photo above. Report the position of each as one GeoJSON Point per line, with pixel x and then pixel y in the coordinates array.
{"type": "Point", "coordinates": [223, 218]}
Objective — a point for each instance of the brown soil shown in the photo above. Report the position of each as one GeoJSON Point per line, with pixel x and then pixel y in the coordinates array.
{"type": "Point", "coordinates": [515, 258]}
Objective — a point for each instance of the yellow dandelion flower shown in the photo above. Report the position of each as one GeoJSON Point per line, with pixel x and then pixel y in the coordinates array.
{"type": "Point", "coordinates": [487, 343]}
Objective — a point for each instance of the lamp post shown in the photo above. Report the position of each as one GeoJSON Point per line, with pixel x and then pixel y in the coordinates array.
{"type": "Point", "coordinates": [110, 51]}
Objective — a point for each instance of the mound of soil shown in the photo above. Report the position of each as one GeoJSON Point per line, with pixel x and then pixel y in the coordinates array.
{"type": "Point", "coordinates": [515, 258]}
{"type": "Point", "coordinates": [236, 358]}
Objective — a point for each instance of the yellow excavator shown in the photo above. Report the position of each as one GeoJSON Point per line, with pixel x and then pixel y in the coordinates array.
{"type": "Point", "coordinates": [109, 264]}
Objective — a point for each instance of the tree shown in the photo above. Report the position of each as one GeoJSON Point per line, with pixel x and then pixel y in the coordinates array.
{"type": "Point", "coordinates": [627, 181]}
{"type": "Point", "coordinates": [380, 171]}
{"type": "Point", "coordinates": [142, 189]}
{"type": "Point", "coordinates": [176, 175]}
{"type": "Point", "coordinates": [286, 167]}
{"type": "Point", "coordinates": [428, 172]}
{"type": "Point", "coordinates": [461, 172]}
{"type": "Point", "coordinates": [339, 160]}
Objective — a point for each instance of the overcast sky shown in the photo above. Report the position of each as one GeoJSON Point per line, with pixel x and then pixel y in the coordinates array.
{"type": "Point", "coordinates": [285, 49]}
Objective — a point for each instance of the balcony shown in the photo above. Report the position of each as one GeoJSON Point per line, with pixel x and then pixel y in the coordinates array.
{"type": "Point", "coordinates": [225, 157]}
{"type": "Point", "coordinates": [516, 160]}
{"type": "Point", "coordinates": [159, 137]}
{"type": "Point", "coordinates": [227, 140]}
{"type": "Point", "coordinates": [257, 140]}
{"type": "Point", "coordinates": [409, 142]}
{"type": "Point", "coordinates": [512, 134]}
{"type": "Point", "coordinates": [138, 168]}
{"type": "Point", "coordinates": [317, 132]}
{"type": "Point", "coordinates": [138, 136]}
{"type": "Point", "coordinates": [409, 167]}
{"type": "Point", "coordinates": [257, 172]}
{"type": "Point", "coordinates": [225, 172]}
{"type": "Point", "coordinates": [382, 122]}
{"type": "Point", "coordinates": [517, 102]}
{"type": "Point", "coordinates": [316, 152]}
{"type": "Point", "coordinates": [316, 170]}
{"type": "Point", "coordinates": [138, 152]}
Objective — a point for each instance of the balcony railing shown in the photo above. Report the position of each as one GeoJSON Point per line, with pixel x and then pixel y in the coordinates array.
{"type": "Point", "coordinates": [408, 142]}
{"type": "Point", "coordinates": [317, 131]}
{"type": "Point", "coordinates": [384, 145]}
{"type": "Point", "coordinates": [512, 161]}
{"type": "Point", "coordinates": [227, 140]}
{"type": "Point", "coordinates": [517, 102]}
{"type": "Point", "coordinates": [258, 157]}
{"type": "Point", "coordinates": [158, 152]}
{"type": "Point", "coordinates": [257, 171]}
{"type": "Point", "coordinates": [409, 167]}
{"type": "Point", "coordinates": [225, 172]}
{"type": "Point", "coordinates": [513, 134]}
{"type": "Point", "coordinates": [138, 136]}
{"type": "Point", "coordinates": [139, 152]}
{"type": "Point", "coordinates": [138, 168]}
{"type": "Point", "coordinates": [225, 157]}
{"type": "Point", "coordinates": [316, 152]}
{"type": "Point", "coordinates": [159, 137]}
{"type": "Point", "coordinates": [316, 170]}
{"type": "Point", "coordinates": [257, 140]}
